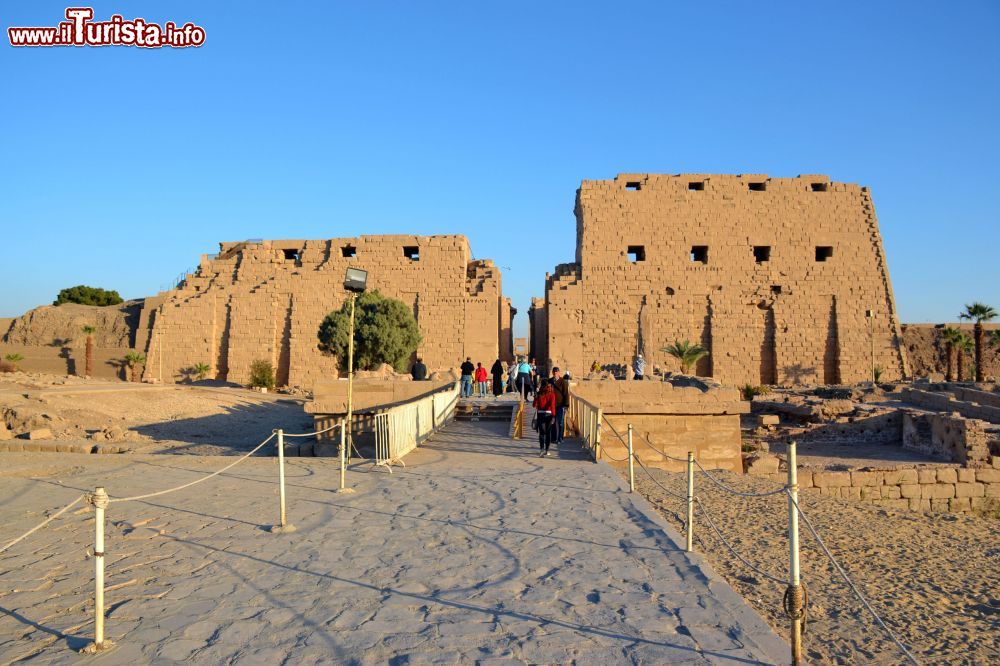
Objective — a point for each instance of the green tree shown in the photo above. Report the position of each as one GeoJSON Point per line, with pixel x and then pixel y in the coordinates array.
{"type": "Point", "coordinates": [201, 370]}
{"type": "Point", "coordinates": [950, 336]}
{"type": "Point", "coordinates": [13, 359]}
{"type": "Point", "coordinates": [385, 331]}
{"type": "Point", "coordinates": [89, 330]}
{"type": "Point", "coordinates": [134, 360]}
{"type": "Point", "coordinates": [85, 295]}
{"type": "Point", "coordinates": [978, 313]}
{"type": "Point", "coordinates": [964, 346]}
{"type": "Point", "coordinates": [262, 374]}
{"type": "Point", "coordinates": [688, 354]}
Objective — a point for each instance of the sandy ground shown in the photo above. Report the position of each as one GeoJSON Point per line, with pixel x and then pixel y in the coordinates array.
{"type": "Point", "coordinates": [932, 577]}
{"type": "Point", "coordinates": [478, 551]}
{"type": "Point", "coordinates": [188, 419]}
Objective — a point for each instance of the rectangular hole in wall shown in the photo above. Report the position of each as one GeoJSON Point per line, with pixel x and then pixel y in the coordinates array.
{"type": "Point", "coordinates": [823, 252]}
{"type": "Point", "coordinates": [411, 252]}
{"type": "Point", "coordinates": [633, 185]}
{"type": "Point", "coordinates": [757, 187]}
{"type": "Point", "coordinates": [292, 255]}
{"type": "Point", "coordinates": [818, 187]}
{"type": "Point", "coordinates": [761, 253]}
{"type": "Point", "coordinates": [699, 254]}
{"type": "Point", "coordinates": [696, 185]}
{"type": "Point", "coordinates": [348, 251]}
{"type": "Point", "coordinates": [775, 288]}
{"type": "Point", "coordinates": [636, 253]}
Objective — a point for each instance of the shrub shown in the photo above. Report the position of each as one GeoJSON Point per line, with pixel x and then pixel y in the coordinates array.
{"type": "Point", "coordinates": [201, 370]}
{"type": "Point", "coordinates": [85, 295]}
{"type": "Point", "coordinates": [877, 374]}
{"type": "Point", "coordinates": [749, 391]}
{"type": "Point", "coordinates": [134, 360]}
{"type": "Point", "coordinates": [385, 331]}
{"type": "Point", "coordinates": [13, 359]}
{"type": "Point", "coordinates": [261, 374]}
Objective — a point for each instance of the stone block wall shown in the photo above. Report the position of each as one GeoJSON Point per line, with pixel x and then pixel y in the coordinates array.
{"type": "Point", "coordinates": [947, 437]}
{"type": "Point", "coordinates": [773, 275]}
{"type": "Point", "coordinates": [266, 300]}
{"type": "Point", "coordinates": [947, 402]}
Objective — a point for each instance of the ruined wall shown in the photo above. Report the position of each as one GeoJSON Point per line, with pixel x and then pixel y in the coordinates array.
{"type": "Point", "coordinates": [538, 333]}
{"type": "Point", "coordinates": [773, 275]}
{"type": "Point", "coordinates": [266, 300]}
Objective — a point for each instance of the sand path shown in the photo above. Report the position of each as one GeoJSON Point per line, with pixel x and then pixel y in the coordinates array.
{"type": "Point", "coordinates": [477, 552]}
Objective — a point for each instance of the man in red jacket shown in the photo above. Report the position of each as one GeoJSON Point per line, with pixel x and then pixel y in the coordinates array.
{"type": "Point", "coordinates": [545, 409]}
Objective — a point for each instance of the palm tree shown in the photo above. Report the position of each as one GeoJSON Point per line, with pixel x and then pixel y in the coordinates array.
{"type": "Point", "coordinates": [964, 346]}
{"type": "Point", "coordinates": [134, 360]}
{"type": "Point", "coordinates": [950, 337]}
{"type": "Point", "coordinates": [89, 365]}
{"type": "Point", "coordinates": [202, 370]}
{"type": "Point", "coordinates": [688, 354]}
{"type": "Point", "coordinates": [13, 359]}
{"type": "Point", "coordinates": [979, 312]}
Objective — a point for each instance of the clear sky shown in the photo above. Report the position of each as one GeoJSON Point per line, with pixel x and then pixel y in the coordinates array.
{"type": "Point", "coordinates": [315, 120]}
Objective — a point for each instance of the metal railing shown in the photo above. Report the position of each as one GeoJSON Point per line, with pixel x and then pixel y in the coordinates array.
{"type": "Point", "coordinates": [401, 429]}
{"type": "Point", "coordinates": [586, 419]}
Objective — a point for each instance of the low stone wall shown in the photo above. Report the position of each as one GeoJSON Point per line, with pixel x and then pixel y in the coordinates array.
{"type": "Point", "coordinates": [876, 428]}
{"type": "Point", "coordinates": [929, 488]}
{"type": "Point", "coordinates": [946, 437]}
{"type": "Point", "coordinates": [984, 398]}
{"type": "Point", "coordinates": [675, 416]}
{"type": "Point", "coordinates": [946, 402]}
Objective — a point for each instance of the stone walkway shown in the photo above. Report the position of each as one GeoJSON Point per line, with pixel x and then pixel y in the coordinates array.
{"type": "Point", "coordinates": [477, 552]}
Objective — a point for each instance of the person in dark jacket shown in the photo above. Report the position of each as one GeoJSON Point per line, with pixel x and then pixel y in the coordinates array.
{"type": "Point", "coordinates": [560, 385]}
{"type": "Point", "coordinates": [497, 372]}
{"type": "Point", "coordinates": [467, 370]}
{"type": "Point", "coordinates": [419, 370]}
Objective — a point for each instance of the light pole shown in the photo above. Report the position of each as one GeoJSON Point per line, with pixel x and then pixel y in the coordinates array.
{"type": "Point", "coordinates": [355, 282]}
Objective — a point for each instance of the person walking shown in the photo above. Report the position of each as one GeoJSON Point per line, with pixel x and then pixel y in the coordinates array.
{"type": "Point", "coordinates": [481, 380]}
{"type": "Point", "coordinates": [467, 370]}
{"type": "Point", "coordinates": [524, 386]}
{"type": "Point", "coordinates": [545, 409]}
{"type": "Point", "coordinates": [498, 373]}
{"type": "Point", "coordinates": [560, 385]}
{"type": "Point", "coordinates": [512, 376]}
{"type": "Point", "coordinates": [419, 370]}
{"type": "Point", "coordinates": [639, 367]}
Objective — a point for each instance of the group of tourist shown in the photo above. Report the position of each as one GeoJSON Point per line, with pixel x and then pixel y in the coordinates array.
{"type": "Point", "coordinates": [550, 403]}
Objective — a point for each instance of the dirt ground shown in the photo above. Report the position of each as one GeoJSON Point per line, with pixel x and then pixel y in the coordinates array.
{"type": "Point", "coordinates": [932, 577]}
{"type": "Point", "coordinates": [189, 419]}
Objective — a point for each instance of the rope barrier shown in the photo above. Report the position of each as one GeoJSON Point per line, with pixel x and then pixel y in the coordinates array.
{"type": "Point", "coordinates": [204, 478]}
{"type": "Point", "coordinates": [850, 583]}
{"type": "Point", "coordinates": [44, 522]}
{"type": "Point", "coordinates": [312, 434]}
{"type": "Point", "coordinates": [705, 513]}
{"type": "Point", "coordinates": [737, 492]}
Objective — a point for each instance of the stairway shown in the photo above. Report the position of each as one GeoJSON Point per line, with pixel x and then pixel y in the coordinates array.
{"type": "Point", "coordinates": [469, 410]}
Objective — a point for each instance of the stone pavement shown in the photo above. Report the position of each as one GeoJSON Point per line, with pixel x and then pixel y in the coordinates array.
{"type": "Point", "coordinates": [477, 552]}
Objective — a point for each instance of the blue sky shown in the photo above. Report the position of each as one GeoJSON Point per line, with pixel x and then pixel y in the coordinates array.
{"type": "Point", "coordinates": [315, 120]}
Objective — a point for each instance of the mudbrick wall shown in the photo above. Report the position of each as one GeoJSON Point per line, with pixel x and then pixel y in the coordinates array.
{"type": "Point", "coordinates": [266, 300]}
{"type": "Point", "coordinates": [773, 275]}
{"type": "Point", "coordinates": [927, 355]}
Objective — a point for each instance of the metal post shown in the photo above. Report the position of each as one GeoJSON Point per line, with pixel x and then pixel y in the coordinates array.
{"type": "Point", "coordinates": [350, 380]}
{"type": "Point", "coordinates": [631, 465]}
{"type": "Point", "coordinates": [794, 606]}
{"type": "Point", "coordinates": [100, 501]}
{"type": "Point", "coordinates": [597, 434]}
{"type": "Point", "coordinates": [690, 502]}
{"type": "Point", "coordinates": [343, 459]}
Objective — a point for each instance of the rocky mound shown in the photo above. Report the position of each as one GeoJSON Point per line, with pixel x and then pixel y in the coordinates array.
{"type": "Point", "coordinates": [927, 355]}
{"type": "Point", "coordinates": [60, 326]}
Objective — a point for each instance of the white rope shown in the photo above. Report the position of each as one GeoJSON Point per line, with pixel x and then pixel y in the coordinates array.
{"type": "Point", "coordinates": [742, 559]}
{"type": "Point", "coordinates": [850, 583]}
{"type": "Point", "coordinates": [705, 513]}
{"type": "Point", "coordinates": [204, 478]}
{"type": "Point", "coordinates": [312, 434]}
{"type": "Point", "coordinates": [43, 523]}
